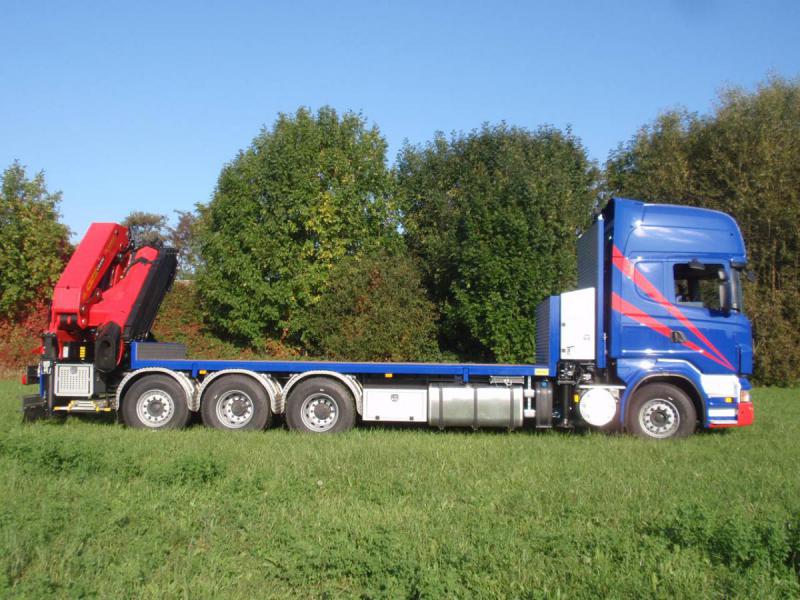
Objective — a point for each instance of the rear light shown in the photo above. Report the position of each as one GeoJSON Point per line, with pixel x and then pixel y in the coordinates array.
{"type": "Point", "coordinates": [24, 379]}
{"type": "Point", "coordinates": [744, 396]}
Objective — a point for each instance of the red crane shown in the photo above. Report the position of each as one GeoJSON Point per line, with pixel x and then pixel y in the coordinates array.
{"type": "Point", "coordinates": [108, 294]}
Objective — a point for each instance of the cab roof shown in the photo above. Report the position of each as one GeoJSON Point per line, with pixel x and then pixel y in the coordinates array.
{"type": "Point", "coordinates": [640, 227]}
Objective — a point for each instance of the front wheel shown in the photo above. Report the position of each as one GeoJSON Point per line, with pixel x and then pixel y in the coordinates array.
{"type": "Point", "coordinates": [155, 402]}
{"type": "Point", "coordinates": [661, 411]}
{"type": "Point", "coordinates": [320, 405]}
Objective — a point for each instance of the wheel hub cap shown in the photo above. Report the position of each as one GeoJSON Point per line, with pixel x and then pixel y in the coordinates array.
{"type": "Point", "coordinates": [319, 412]}
{"type": "Point", "coordinates": [322, 411]}
{"type": "Point", "coordinates": [155, 408]}
{"type": "Point", "coordinates": [659, 418]}
{"type": "Point", "coordinates": [239, 407]}
{"type": "Point", "coordinates": [235, 409]}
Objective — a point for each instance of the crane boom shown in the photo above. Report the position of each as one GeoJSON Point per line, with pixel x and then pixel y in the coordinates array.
{"type": "Point", "coordinates": [108, 294]}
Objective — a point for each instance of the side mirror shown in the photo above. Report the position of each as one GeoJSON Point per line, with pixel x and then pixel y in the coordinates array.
{"type": "Point", "coordinates": [751, 276]}
{"type": "Point", "coordinates": [725, 296]}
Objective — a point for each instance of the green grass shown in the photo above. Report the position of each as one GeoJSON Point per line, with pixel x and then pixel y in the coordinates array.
{"type": "Point", "coordinates": [94, 509]}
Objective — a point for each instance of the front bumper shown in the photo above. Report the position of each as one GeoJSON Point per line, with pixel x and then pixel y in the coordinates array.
{"type": "Point", "coordinates": [745, 415]}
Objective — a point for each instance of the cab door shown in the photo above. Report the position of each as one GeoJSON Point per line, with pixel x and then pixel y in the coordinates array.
{"type": "Point", "coordinates": [701, 324]}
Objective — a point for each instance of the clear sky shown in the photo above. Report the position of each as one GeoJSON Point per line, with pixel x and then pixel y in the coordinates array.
{"type": "Point", "coordinates": [136, 105]}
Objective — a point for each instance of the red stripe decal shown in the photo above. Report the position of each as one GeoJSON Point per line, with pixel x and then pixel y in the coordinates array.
{"type": "Point", "coordinates": [629, 310]}
{"type": "Point", "coordinates": [629, 270]}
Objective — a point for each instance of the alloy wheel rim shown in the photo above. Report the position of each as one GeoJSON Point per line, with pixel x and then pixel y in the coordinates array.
{"type": "Point", "coordinates": [659, 418]}
{"type": "Point", "coordinates": [235, 409]}
{"type": "Point", "coordinates": [319, 412]}
{"type": "Point", "coordinates": [155, 408]}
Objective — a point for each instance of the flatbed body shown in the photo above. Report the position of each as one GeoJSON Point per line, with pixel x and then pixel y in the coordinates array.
{"type": "Point", "coordinates": [465, 371]}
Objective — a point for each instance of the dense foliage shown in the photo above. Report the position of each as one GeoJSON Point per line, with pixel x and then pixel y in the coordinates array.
{"type": "Point", "coordinates": [153, 229]}
{"type": "Point", "coordinates": [147, 229]}
{"type": "Point", "coordinates": [492, 216]}
{"type": "Point", "coordinates": [308, 192]}
{"type": "Point", "coordinates": [743, 159]}
{"type": "Point", "coordinates": [183, 238]}
{"type": "Point", "coordinates": [374, 308]}
{"type": "Point", "coordinates": [180, 319]}
{"type": "Point", "coordinates": [34, 243]}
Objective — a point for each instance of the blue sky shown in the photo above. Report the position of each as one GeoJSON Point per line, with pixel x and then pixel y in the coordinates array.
{"type": "Point", "coordinates": [137, 105]}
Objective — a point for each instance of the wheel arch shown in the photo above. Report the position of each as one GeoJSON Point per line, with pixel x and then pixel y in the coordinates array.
{"type": "Point", "coordinates": [271, 386]}
{"type": "Point", "coordinates": [349, 382]}
{"type": "Point", "coordinates": [679, 380]}
{"type": "Point", "coordinates": [186, 384]}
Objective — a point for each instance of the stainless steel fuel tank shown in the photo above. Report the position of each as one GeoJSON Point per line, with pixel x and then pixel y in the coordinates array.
{"type": "Point", "coordinates": [474, 406]}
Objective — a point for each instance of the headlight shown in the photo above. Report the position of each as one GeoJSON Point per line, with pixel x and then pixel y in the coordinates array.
{"type": "Point", "coordinates": [744, 396]}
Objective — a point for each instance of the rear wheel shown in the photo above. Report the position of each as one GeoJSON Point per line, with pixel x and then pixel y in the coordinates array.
{"type": "Point", "coordinates": [661, 411]}
{"type": "Point", "coordinates": [320, 405]}
{"type": "Point", "coordinates": [236, 402]}
{"type": "Point", "coordinates": [155, 402]}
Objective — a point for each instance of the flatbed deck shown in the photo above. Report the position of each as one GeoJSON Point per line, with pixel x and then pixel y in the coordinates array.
{"type": "Point", "coordinates": [463, 370]}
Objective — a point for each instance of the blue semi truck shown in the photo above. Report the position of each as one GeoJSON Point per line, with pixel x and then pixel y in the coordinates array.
{"type": "Point", "coordinates": [654, 341]}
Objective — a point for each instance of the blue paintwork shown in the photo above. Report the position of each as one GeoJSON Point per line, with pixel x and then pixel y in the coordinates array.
{"type": "Point", "coordinates": [600, 337]}
{"type": "Point", "coordinates": [548, 333]}
{"type": "Point", "coordinates": [633, 371]}
{"type": "Point", "coordinates": [464, 370]}
{"type": "Point", "coordinates": [654, 238]}
{"type": "Point", "coordinates": [554, 351]}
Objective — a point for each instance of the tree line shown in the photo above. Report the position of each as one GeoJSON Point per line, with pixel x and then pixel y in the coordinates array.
{"type": "Point", "coordinates": [312, 239]}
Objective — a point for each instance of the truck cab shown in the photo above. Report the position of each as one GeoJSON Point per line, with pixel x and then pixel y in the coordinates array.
{"type": "Point", "coordinates": [671, 326]}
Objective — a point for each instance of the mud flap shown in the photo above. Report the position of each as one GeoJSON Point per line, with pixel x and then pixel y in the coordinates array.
{"type": "Point", "coordinates": [34, 408]}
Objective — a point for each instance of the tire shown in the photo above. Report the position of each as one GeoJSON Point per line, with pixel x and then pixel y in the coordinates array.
{"type": "Point", "coordinates": [155, 402]}
{"type": "Point", "coordinates": [236, 403]}
{"type": "Point", "coordinates": [660, 411]}
{"type": "Point", "coordinates": [320, 405]}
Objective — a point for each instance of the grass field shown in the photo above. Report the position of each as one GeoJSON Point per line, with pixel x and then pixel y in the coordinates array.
{"type": "Point", "coordinates": [93, 509]}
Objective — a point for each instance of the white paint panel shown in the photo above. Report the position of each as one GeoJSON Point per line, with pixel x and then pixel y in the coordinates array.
{"type": "Point", "coordinates": [578, 325]}
{"type": "Point", "coordinates": [721, 412]}
{"type": "Point", "coordinates": [396, 404]}
{"type": "Point", "coordinates": [721, 386]}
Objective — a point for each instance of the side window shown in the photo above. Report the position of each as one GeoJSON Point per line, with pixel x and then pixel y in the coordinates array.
{"type": "Point", "coordinates": [702, 287]}
{"type": "Point", "coordinates": [654, 273]}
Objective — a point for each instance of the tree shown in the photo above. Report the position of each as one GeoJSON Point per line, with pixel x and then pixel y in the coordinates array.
{"type": "Point", "coordinates": [374, 308]}
{"type": "Point", "coordinates": [308, 192]}
{"type": "Point", "coordinates": [34, 243]}
{"type": "Point", "coordinates": [744, 159]}
{"type": "Point", "coordinates": [492, 217]}
{"type": "Point", "coordinates": [147, 229]}
{"type": "Point", "coordinates": [150, 229]}
{"type": "Point", "coordinates": [183, 237]}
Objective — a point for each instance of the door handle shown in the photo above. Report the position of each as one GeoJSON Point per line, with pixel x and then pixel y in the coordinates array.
{"type": "Point", "coordinates": [678, 336]}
